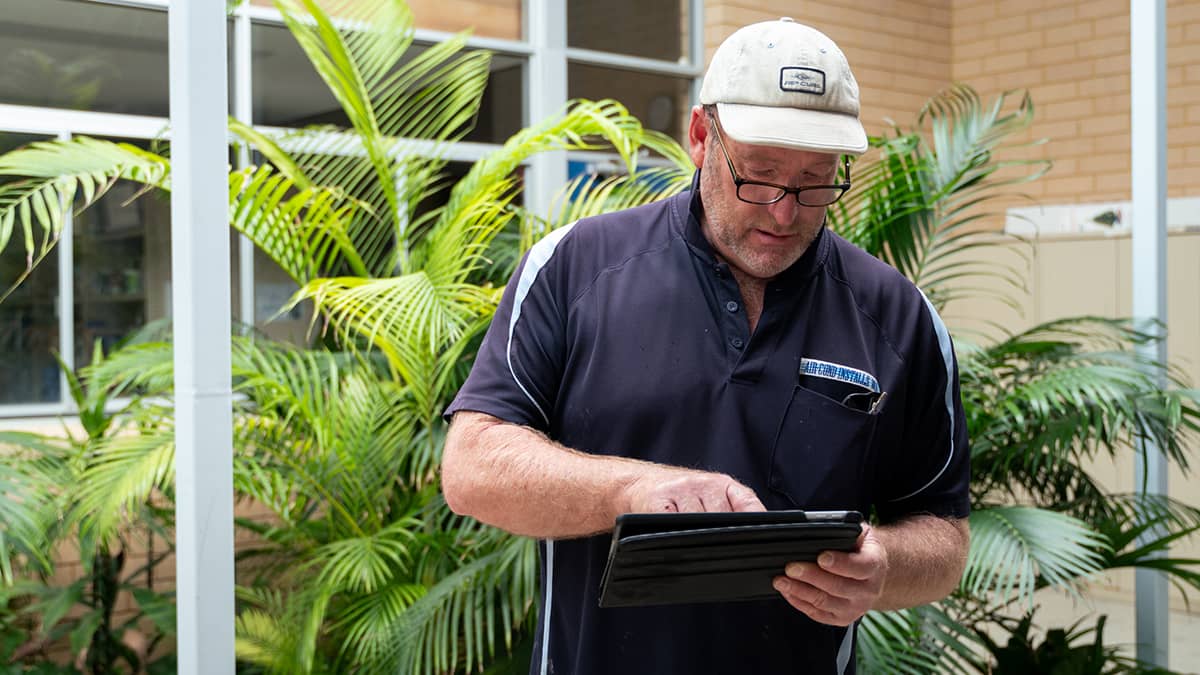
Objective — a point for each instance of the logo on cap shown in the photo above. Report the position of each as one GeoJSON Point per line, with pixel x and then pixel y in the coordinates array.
{"type": "Point", "coordinates": [806, 80]}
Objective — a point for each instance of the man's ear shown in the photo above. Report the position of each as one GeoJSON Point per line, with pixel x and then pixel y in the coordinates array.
{"type": "Point", "coordinates": [697, 135]}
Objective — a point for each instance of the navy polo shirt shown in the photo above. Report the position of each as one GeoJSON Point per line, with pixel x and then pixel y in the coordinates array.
{"type": "Point", "coordinates": [622, 334]}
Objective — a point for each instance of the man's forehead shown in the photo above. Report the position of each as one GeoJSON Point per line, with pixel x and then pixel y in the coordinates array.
{"type": "Point", "coordinates": [768, 157]}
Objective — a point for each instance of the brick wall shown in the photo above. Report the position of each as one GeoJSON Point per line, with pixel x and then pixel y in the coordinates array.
{"type": "Point", "coordinates": [899, 50]}
{"type": "Point", "coordinates": [1073, 56]}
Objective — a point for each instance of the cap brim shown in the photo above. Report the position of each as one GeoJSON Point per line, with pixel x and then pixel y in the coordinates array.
{"type": "Point", "coordinates": [794, 128]}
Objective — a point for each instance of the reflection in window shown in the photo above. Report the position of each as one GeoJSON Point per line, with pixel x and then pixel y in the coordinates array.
{"type": "Point", "coordinates": [653, 29]}
{"type": "Point", "coordinates": [122, 263]}
{"type": "Point", "coordinates": [490, 18]}
{"type": "Point", "coordinates": [661, 102]}
{"type": "Point", "coordinates": [29, 317]}
{"type": "Point", "coordinates": [83, 55]}
{"type": "Point", "coordinates": [289, 93]}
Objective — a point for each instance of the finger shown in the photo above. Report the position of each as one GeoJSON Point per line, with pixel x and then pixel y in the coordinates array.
{"type": "Point", "coordinates": [831, 584]}
{"type": "Point", "coordinates": [688, 502]}
{"type": "Point", "coordinates": [867, 562]}
{"type": "Point", "coordinates": [814, 602]}
{"type": "Point", "coordinates": [742, 498]}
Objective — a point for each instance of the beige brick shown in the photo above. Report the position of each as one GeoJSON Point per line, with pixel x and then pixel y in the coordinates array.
{"type": "Point", "coordinates": [1106, 124]}
{"type": "Point", "coordinates": [1176, 75]}
{"type": "Point", "coordinates": [1101, 162]}
{"type": "Point", "coordinates": [1056, 53]}
{"type": "Point", "coordinates": [1192, 155]}
{"type": "Point", "coordinates": [1111, 85]}
{"type": "Point", "coordinates": [981, 13]}
{"type": "Point", "coordinates": [1006, 61]}
{"type": "Point", "coordinates": [965, 70]}
{"type": "Point", "coordinates": [1069, 110]}
{"type": "Point", "coordinates": [1048, 18]}
{"type": "Point", "coordinates": [1071, 33]}
{"type": "Point", "coordinates": [1006, 26]}
{"type": "Point", "coordinates": [1116, 27]}
{"type": "Point", "coordinates": [975, 50]}
{"type": "Point", "coordinates": [1110, 104]}
{"type": "Point", "coordinates": [1057, 130]}
{"type": "Point", "coordinates": [1192, 115]}
{"type": "Point", "coordinates": [1054, 93]}
{"type": "Point", "coordinates": [1191, 33]}
{"type": "Point", "coordinates": [1117, 184]}
{"type": "Point", "coordinates": [1185, 93]}
{"type": "Point", "coordinates": [1090, 48]}
{"type": "Point", "coordinates": [1109, 65]}
{"type": "Point", "coordinates": [1184, 134]}
{"type": "Point", "coordinates": [1070, 187]}
{"type": "Point", "coordinates": [1074, 70]}
{"type": "Point", "coordinates": [1070, 147]}
{"type": "Point", "coordinates": [1093, 9]}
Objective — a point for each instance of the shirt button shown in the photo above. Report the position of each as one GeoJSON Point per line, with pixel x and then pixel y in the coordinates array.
{"type": "Point", "coordinates": [737, 343]}
{"type": "Point", "coordinates": [731, 306]}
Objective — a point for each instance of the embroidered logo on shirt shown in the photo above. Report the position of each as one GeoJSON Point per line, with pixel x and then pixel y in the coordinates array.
{"type": "Point", "coordinates": [804, 80]}
{"type": "Point", "coordinates": [836, 371]}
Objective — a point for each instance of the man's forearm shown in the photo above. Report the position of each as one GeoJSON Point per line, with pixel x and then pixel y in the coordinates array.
{"type": "Point", "coordinates": [496, 472]}
{"type": "Point", "coordinates": [926, 556]}
{"type": "Point", "coordinates": [518, 480]}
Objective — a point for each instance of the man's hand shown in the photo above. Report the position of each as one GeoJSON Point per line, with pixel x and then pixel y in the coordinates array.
{"type": "Point", "coordinates": [840, 587]}
{"type": "Point", "coordinates": [671, 489]}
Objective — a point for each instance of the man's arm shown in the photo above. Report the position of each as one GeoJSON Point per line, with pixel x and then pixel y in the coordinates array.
{"type": "Point", "coordinates": [914, 561]}
{"type": "Point", "coordinates": [519, 480]}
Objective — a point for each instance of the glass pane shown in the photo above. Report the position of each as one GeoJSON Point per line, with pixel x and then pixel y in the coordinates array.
{"type": "Point", "coordinates": [29, 335]}
{"type": "Point", "coordinates": [490, 18]}
{"type": "Point", "coordinates": [289, 93]}
{"type": "Point", "coordinates": [122, 267]}
{"type": "Point", "coordinates": [84, 55]}
{"type": "Point", "coordinates": [653, 29]}
{"type": "Point", "coordinates": [661, 102]}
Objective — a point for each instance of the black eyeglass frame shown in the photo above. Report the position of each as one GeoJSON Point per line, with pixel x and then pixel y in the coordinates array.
{"type": "Point", "coordinates": [785, 190]}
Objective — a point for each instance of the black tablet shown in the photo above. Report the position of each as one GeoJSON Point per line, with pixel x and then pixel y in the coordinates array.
{"type": "Point", "coordinates": [670, 558]}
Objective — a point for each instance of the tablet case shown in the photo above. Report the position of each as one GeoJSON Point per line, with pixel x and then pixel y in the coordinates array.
{"type": "Point", "coordinates": [670, 558]}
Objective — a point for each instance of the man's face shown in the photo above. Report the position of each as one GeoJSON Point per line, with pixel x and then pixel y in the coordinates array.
{"type": "Point", "coordinates": [759, 240]}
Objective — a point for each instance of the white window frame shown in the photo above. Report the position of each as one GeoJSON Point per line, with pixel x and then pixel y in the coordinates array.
{"type": "Point", "coordinates": [547, 56]}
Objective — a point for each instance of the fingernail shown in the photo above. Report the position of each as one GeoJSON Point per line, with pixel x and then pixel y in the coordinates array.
{"type": "Point", "coordinates": [778, 585]}
{"type": "Point", "coordinates": [794, 570]}
{"type": "Point", "coordinates": [825, 560]}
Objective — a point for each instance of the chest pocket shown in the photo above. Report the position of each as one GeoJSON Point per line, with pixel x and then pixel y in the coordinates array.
{"type": "Point", "coordinates": [821, 449]}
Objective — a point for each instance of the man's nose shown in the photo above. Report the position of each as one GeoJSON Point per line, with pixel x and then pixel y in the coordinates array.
{"type": "Point", "coordinates": [785, 210]}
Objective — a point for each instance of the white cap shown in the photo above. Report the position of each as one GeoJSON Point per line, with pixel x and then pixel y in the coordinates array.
{"type": "Point", "coordinates": [784, 84]}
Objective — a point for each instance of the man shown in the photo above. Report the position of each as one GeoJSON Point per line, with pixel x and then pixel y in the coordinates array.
{"type": "Point", "coordinates": [722, 351]}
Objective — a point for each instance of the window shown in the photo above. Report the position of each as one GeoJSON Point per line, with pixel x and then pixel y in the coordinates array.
{"type": "Point", "coordinates": [84, 56]}
{"type": "Point", "coordinates": [653, 29]}
{"type": "Point", "coordinates": [289, 93]}
{"type": "Point", "coordinates": [29, 324]}
{"type": "Point", "coordinates": [661, 102]}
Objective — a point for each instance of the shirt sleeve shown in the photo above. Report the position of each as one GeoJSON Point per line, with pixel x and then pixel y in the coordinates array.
{"type": "Point", "coordinates": [933, 475]}
{"type": "Point", "coordinates": [517, 373]}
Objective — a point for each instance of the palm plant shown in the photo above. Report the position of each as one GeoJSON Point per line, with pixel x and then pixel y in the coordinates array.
{"type": "Point", "coordinates": [1040, 403]}
{"type": "Point", "coordinates": [358, 550]}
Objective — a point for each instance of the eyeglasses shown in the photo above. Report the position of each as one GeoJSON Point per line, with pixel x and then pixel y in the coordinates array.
{"type": "Point", "coordinates": [759, 192]}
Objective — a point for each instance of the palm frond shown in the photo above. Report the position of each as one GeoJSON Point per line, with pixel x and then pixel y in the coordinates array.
{"type": "Point", "coordinates": [125, 471]}
{"type": "Point", "coordinates": [31, 469]}
{"type": "Point", "coordinates": [916, 205]}
{"type": "Point", "coordinates": [458, 621]}
{"type": "Point", "coordinates": [50, 176]}
{"type": "Point", "coordinates": [1015, 549]}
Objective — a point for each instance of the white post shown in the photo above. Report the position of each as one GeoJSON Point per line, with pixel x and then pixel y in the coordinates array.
{"type": "Point", "coordinates": [1148, 107]}
{"type": "Point", "coordinates": [546, 26]}
{"type": "Point", "coordinates": [243, 110]}
{"type": "Point", "coordinates": [202, 325]}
